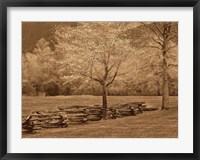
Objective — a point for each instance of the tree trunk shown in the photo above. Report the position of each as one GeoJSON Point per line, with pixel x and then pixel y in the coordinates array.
{"type": "Point", "coordinates": [104, 98]}
{"type": "Point", "coordinates": [165, 96]}
{"type": "Point", "coordinates": [158, 89]}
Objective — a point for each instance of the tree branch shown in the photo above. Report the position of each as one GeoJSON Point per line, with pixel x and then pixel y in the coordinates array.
{"type": "Point", "coordinates": [122, 74]}
{"type": "Point", "coordinates": [89, 76]}
{"type": "Point", "coordinates": [157, 41]}
{"type": "Point", "coordinates": [115, 75]}
{"type": "Point", "coordinates": [111, 67]}
{"type": "Point", "coordinates": [170, 38]}
{"type": "Point", "coordinates": [148, 26]}
{"type": "Point", "coordinates": [159, 30]}
{"type": "Point", "coordinates": [170, 48]}
{"type": "Point", "coordinates": [151, 47]}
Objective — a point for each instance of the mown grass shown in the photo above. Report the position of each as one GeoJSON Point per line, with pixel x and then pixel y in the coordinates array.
{"type": "Point", "coordinates": [156, 124]}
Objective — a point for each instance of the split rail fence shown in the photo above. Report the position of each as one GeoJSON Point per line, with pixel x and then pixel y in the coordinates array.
{"type": "Point", "coordinates": [74, 115]}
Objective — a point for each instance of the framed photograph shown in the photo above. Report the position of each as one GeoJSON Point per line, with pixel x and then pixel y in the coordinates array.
{"type": "Point", "coordinates": [99, 79]}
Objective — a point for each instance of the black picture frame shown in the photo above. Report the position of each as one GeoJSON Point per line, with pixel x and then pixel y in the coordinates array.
{"type": "Point", "coordinates": [98, 3]}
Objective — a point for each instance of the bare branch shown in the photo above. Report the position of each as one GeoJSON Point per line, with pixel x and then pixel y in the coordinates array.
{"type": "Point", "coordinates": [117, 62]}
{"type": "Point", "coordinates": [122, 74]}
{"type": "Point", "coordinates": [170, 48]}
{"type": "Point", "coordinates": [156, 41]}
{"type": "Point", "coordinates": [115, 75]}
{"type": "Point", "coordinates": [89, 76]}
{"type": "Point", "coordinates": [108, 59]}
{"type": "Point", "coordinates": [100, 61]}
{"type": "Point", "coordinates": [150, 47]}
{"type": "Point", "coordinates": [172, 37]}
{"type": "Point", "coordinates": [159, 30]}
{"type": "Point", "coordinates": [148, 26]}
{"type": "Point", "coordinates": [103, 59]}
{"type": "Point", "coordinates": [111, 67]}
{"type": "Point", "coordinates": [117, 69]}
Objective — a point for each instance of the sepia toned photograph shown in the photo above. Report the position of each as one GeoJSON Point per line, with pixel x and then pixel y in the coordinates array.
{"type": "Point", "coordinates": [100, 79]}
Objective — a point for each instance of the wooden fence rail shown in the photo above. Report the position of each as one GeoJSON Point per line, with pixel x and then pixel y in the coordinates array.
{"type": "Point", "coordinates": [65, 116]}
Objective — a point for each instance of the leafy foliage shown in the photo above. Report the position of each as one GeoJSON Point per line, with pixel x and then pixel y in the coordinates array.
{"type": "Point", "coordinates": [80, 57]}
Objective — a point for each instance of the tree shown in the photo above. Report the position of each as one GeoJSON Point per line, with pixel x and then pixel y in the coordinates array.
{"type": "Point", "coordinates": [161, 38]}
{"type": "Point", "coordinates": [39, 66]}
{"type": "Point", "coordinates": [95, 52]}
{"type": "Point", "coordinates": [51, 88]}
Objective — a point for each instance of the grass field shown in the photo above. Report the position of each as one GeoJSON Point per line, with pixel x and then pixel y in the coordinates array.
{"type": "Point", "coordinates": [156, 124]}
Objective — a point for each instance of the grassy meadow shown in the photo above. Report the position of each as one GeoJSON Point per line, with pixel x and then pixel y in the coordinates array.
{"type": "Point", "coordinates": [155, 124]}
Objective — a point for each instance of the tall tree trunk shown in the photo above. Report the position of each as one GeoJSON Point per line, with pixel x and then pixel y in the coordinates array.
{"type": "Point", "coordinates": [165, 96]}
{"type": "Point", "coordinates": [104, 98]}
